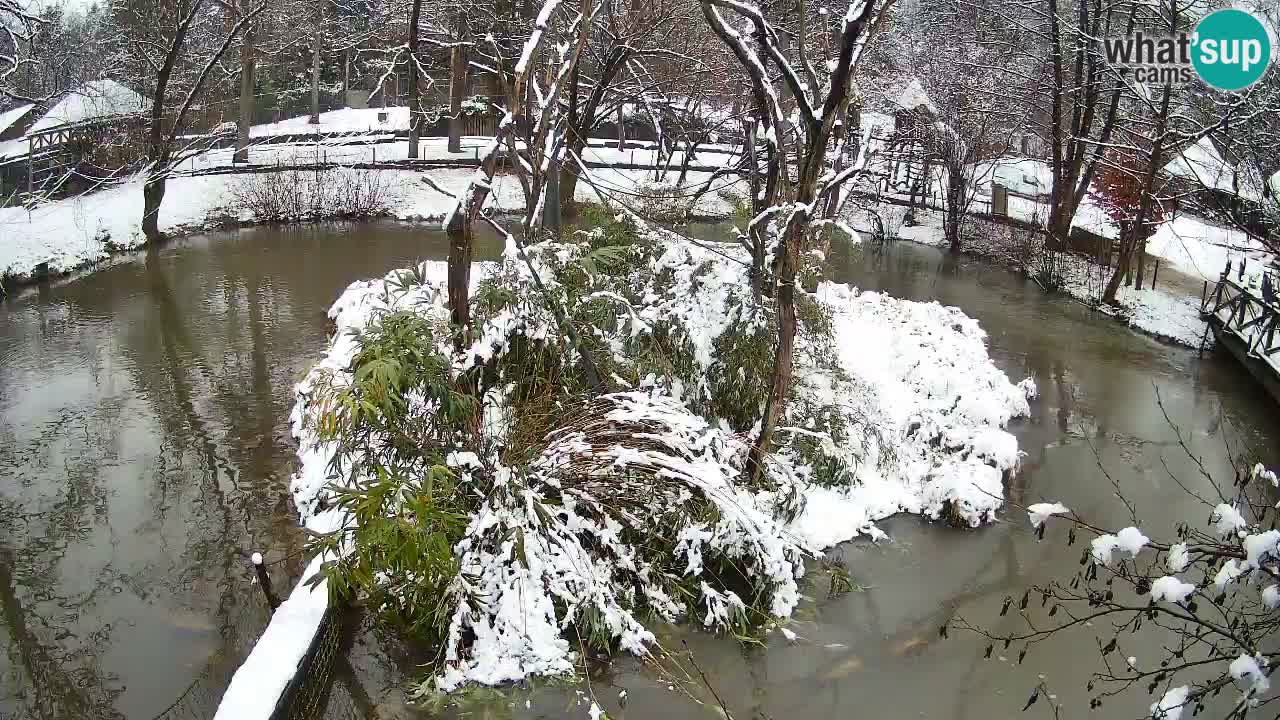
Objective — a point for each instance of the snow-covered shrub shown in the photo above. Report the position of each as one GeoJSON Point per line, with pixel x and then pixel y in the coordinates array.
{"type": "Point", "coordinates": [587, 513]}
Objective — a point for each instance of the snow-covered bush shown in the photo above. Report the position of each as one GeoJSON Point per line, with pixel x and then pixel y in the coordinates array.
{"type": "Point", "coordinates": [496, 504]}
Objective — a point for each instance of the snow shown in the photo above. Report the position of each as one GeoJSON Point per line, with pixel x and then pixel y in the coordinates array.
{"type": "Point", "coordinates": [1025, 176]}
{"type": "Point", "coordinates": [1271, 597]}
{"type": "Point", "coordinates": [789, 634]}
{"type": "Point", "coordinates": [266, 673]}
{"type": "Point", "coordinates": [1228, 573]}
{"type": "Point", "coordinates": [1171, 704]}
{"type": "Point", "coordinates": [13, 115]}
{"type": "Point", "coordinates": [1129, 540]}
{"type": "Point", "coordinates": [344, 120]}
{"type": "Point", "coordinates": [1201, 163]}
{"type": "Point", "coordinates": [1040, 512]}
{"type": "Point", "coordinates": [1202, 249]}
{"type": "Point", "coordinates": [931, 390]}
{"type": "Point", "coordinates": [256, 558]}
{"type": "Point", "coordinates": [1247, 671]}
{"type": "Point", "coordinates": [1178, 558]}
{"type": "Point", "coordinates": [95, 100]}
{"type": "Point", "coordinates": [1226, 519]}
{"type": "Point", "coordinates": [1171, 589]}
{"type": "Point", "coordinates": [75, 232]}
{"type": "Point", "coordinates": [913, 96]}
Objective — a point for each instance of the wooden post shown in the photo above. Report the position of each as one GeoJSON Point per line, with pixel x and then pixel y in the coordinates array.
{"type": "Point", "coordinates": [1155, 271]}
{"type": "Point", "coordinates": [999, 200]}
{"type": "Point", "coordinates": [265, 581]}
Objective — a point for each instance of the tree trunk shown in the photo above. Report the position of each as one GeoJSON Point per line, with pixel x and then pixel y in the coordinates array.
{"type": "Point", "coordinates": [569, 173]}
{"type": "Point", "coordinates": [346, 77]}
{"type": "Point", "coordinates": [756, 236]}
{"type": "Point", "coordinates": [457, 91]}
{"type": "Point", "coordinates": [461, 240]}
{"type": "Point", "coordinates": [152, 197]}
{"type": "Point", "coordinates": [953, 213]}
{"type": "Point", "coordinates": [315, 66]}
{"type": "Point", "coordinates": [784, 354]}
{"type": "Point", "coordinates": [1122, 265]}
{"type": "Point", "coordinates": [622, 127]}
{"type": "Point", "coordinates": [415, 117]}
{"type": "Point", "coordinates": [247, 70]}
{"type": "Point", "coordinates": [1141, 265]}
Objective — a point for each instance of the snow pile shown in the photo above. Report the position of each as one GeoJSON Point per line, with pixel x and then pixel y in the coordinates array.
{"type": "Point", "coordinates": [1178, 559]}
{"type": "Point", "coordinates": [1271, 597]}
{"type": "Point", "coordinates": [1040, 512]}
{"type": "Point", "coordinates": [573, 553]}
{"type": "Point", "coordinates": [1171, 704]}
{"type": "Point", "coordinates": [1227, 520]}
{"type": "Point", "coordinates": [1249, 674]}
{"type": "Point", "coordinates": [1129, 540]}
{"type": "Point", "coordinates": [1260, 472]}
{"type": "Point", "coordinates": [915, 425]}
{"type": "Point", "coordinates": [1172, 589]}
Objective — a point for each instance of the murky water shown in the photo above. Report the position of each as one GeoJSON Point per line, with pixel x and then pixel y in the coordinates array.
{"type": "Point", "coordinates": [144, 454]}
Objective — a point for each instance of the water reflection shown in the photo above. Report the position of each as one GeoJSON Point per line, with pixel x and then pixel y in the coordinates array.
{"type": "Point", "coordinates": [144, 454]}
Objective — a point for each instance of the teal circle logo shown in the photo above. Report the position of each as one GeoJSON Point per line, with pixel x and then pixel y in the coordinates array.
{"type": "Point", "coordinates": [1232, 49]}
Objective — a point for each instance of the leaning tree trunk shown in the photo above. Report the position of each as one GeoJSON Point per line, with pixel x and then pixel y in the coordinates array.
{"type": "Point", "coordinates": [247, 70]}
{"type": "Point", "coordinates": [415, 117]}
{"type": "Point", "coordinates": [457, 90]}
{"type": "Point", "coordinates": [1122, 265]}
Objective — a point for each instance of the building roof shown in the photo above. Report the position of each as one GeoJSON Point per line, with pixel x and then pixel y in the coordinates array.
{"type": "Point", "coordinates": [93, 101]}
{"type": "Point", "coordinates": [1202, 163]}
{"type": "Point", "coordinates": [914, 97]}
{"type": "Point", "coordinates": [13, 115]}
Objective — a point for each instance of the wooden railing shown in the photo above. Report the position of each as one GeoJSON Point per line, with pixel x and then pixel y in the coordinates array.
{"type": "Point", "coordinates": [1236, 309]}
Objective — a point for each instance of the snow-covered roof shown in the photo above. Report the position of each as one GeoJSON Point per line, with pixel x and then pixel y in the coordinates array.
{"type": "Point", "coordinates": [1202, 163]}
{"type": "Point", "coordinates": [13, 115]}
{"type": "Point", "coordinates": [96, 100]}
{"type": "Point", "coordinates": [913, 96]}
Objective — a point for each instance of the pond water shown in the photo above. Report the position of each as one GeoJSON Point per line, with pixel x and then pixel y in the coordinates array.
{"type": "Point", "coordinates": [144, 454]}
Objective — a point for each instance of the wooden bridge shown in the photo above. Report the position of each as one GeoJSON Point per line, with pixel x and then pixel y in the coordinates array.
{"type": "Point", "coordinates": [1245, 324]}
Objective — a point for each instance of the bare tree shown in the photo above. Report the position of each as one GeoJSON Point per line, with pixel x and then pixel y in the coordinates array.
{"type": "Point", "coordinates": [415, 114]}
{"type": "Point", "coordinates": [17, 26]}
{"type": "Point", "coordinates": [794, 206]}
{"type": "Point", "coordinates": [172, 46]}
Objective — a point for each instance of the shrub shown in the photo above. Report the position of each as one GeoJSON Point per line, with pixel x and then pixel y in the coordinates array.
{"type": "Point", "coordinates": [293, 195]}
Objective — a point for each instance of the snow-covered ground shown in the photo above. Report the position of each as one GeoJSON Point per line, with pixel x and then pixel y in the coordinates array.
{"type": "Point", "coordinates": [1166, 311]}
{"type": "Point", "coordinates": [72, 233]}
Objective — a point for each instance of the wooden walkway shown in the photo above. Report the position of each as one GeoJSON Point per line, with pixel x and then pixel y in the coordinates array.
{"type": "Point", "coordinates": [1246, 325]}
